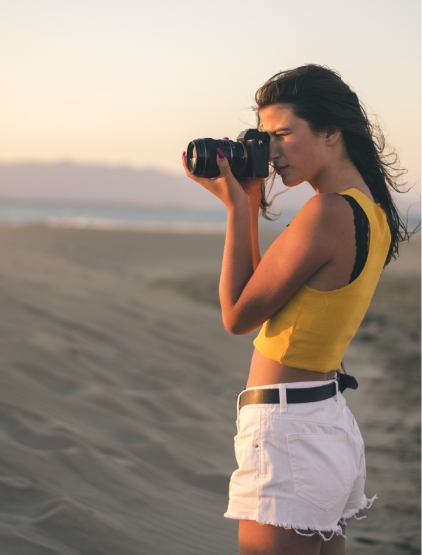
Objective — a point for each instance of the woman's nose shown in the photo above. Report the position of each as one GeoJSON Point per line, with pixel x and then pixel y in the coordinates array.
{"type": "Point", "coordinates": [274, 150]}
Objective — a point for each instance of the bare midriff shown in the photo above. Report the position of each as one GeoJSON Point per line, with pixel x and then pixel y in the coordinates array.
{"type": "Point", "coordinates": [264, 371]}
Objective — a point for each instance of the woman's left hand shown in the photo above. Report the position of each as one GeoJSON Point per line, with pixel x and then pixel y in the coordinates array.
{"type": "Point", "coordinates": [226, 187]}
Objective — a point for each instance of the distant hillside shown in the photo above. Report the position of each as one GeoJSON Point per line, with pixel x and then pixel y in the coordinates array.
{"type": "Point", "coordinates": [76, 183]}
{"type": "Point", "coordinates": [73, 183]}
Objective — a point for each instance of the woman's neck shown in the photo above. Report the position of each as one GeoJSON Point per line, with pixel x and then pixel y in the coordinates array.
{"type": "Point", "coordinates": [338, 177]}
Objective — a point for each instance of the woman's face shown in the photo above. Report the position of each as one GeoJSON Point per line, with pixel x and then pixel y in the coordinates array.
{"type": "Point", "coordinates": [298, 153]}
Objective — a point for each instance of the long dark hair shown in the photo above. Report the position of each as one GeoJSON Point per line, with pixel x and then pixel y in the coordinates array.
{"type": "Point", "coordinates": [318, 95]}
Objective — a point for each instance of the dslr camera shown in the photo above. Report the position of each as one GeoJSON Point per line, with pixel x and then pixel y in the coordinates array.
{"type": "Point", "coordinates": [247, 156]}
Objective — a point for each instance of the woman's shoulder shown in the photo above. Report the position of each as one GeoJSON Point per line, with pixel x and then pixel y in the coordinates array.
{"type": "Point", "coordinates": [324, 210]}
{"type": "Point", "coordinates": [320, 227]}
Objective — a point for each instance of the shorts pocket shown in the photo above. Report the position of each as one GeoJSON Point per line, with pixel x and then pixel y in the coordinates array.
{"type": "Point", "coordinates": [320, 467]}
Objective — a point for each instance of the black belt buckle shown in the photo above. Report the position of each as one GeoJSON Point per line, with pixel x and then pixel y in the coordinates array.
{"type": "Point", "coordinates": [345, 381]}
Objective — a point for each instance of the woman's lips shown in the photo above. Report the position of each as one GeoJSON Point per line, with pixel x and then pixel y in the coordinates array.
{"type": "Point", "coordinates": [280, 169]}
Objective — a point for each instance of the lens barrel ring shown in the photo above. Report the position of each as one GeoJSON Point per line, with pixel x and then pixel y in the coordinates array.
{"type": "Point", "coordinates": [248, 156]}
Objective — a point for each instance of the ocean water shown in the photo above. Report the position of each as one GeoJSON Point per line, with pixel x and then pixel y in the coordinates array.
{"type": "Point", "coordinates": [124, 217]}
{"type": "Point", "coordinates": [133, 217]}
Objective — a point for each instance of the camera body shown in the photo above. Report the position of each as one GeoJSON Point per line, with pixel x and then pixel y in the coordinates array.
{"type": "Point", "coordinates": [248, 156]}
{"type": "Point", "coordinates": [256, 144]}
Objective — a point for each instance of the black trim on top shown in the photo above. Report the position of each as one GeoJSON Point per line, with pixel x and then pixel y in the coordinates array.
{"type": "Point", "coordinates": [361, 236]}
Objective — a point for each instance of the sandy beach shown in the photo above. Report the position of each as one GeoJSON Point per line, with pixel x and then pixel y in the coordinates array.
{"type": "Point", "coordinates": [118, 388]}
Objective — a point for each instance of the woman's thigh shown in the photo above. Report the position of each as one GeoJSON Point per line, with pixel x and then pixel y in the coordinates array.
{"type": "Point", "coordinates": [264, 539]}
{"type": "Point", "coordinates": [336, 546]}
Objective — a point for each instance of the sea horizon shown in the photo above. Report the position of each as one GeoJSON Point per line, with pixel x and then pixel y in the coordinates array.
{"type": "Point", "coordinates": [123, 217]}
{"type": "Point", "coordinates": [142, 218]}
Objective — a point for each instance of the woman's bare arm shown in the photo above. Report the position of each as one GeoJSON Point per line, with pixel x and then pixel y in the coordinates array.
{"type": "Point", "coordinates": [308, 245]}
{"type": "Point", "coordinates": [254, 206]}
{"type": "Point", "coordinates": [238, 260]}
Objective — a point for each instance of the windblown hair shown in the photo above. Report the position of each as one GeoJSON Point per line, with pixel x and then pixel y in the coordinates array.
{"type": "Point", "coordinates": [318, 95]}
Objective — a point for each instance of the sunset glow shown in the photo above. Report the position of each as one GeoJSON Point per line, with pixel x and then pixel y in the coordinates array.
{"type": "Point", "coordinates": [132, 82]}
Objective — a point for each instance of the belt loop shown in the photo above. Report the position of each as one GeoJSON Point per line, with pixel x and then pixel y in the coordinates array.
{"type": "Point", "coordinates": [283, 397]}
{"type": "Point", "coordinates": [238, 402]}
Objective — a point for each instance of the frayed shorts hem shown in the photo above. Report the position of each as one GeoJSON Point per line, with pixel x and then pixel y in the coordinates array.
{"type": "Point", "coordinates": [365, 503]}
{"type": "Point", "coordinates": [302, 530]}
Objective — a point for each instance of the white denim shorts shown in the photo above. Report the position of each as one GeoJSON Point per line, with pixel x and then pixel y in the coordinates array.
{"type": "Point", "coordinates": [301, 466]}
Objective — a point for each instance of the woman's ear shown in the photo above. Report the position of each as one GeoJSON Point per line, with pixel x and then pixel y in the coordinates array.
{"type": "Point", "coordinates": [332, 135]}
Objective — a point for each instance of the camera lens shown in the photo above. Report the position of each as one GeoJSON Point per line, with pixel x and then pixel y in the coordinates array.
{"type": "Point", "coordinates": [192, 160]}
{"type": "Point", "coordinates": [196, 157]}
{"type": "Point", "coordinates": [202, 157]}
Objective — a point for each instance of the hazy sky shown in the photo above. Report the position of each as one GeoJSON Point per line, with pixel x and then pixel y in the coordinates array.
{"type": "Point", "coordinates": [132, 81]}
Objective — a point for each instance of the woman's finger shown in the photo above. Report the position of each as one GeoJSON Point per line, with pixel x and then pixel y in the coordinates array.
{"type": "Point", "coordinates": [202, 181]}
{"type": "Point", "coordinates": [185, 166]}
{"type": "Point", "coordinates": [223, 164]}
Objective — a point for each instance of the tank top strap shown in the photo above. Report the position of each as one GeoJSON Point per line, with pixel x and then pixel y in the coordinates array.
{"type": "Point", "coordinates": [361, 236]}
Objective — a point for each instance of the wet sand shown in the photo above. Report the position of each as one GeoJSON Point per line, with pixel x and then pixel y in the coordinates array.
{"type": "Point", "coordinates": [118, 387]}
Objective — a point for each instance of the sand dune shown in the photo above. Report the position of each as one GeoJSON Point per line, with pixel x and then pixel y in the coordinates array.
{"type": "Point", "coordinates": [117, 397]}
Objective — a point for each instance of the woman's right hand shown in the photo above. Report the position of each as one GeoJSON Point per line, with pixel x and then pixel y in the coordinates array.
{"type": "Point", "coordinates": [251, 186]}
{"type": "Point", "coordinates": [226, 187]}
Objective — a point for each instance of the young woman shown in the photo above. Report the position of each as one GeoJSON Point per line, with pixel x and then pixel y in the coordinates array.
{"type": "Point", "coordinates": [299, 450]}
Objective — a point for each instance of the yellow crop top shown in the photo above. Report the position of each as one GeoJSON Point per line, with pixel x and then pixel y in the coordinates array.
{"type": "Point", "coordinates": [314, 328]}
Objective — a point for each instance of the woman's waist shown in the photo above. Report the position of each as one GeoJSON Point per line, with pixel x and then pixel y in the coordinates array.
{"type": "Point", "coordinates": [264, 371]}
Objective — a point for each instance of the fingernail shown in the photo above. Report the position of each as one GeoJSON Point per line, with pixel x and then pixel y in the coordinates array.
{"type": "Point", "coordinates": [184, 154]}
{"type": "Point", "coordinates": [220, 153]}
{"type": "Point", "coordinates": [225, 138]}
